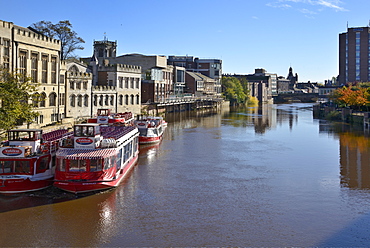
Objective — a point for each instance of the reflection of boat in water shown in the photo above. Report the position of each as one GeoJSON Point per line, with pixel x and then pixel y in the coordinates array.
{"type": "Point", "coordinates": [27, 160]}
{"type": "Point", "coordinates": [96, 157]}
{"type": "Point", "coordinates": [104, 116]}
{"type": "Point", "coordinates": [151, 129]}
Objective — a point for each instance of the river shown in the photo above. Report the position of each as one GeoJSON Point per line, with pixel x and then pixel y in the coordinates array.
{"type": "Point", "coordinates": [262, 177]}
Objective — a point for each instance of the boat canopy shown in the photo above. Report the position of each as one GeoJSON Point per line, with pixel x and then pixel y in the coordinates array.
{"type": "Point", "coordinates": [86, 154]}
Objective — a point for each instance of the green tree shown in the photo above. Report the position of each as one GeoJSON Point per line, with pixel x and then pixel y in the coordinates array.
{"type": "Point", "coordinates": [14, 98]}
{"type": "Point", "coordinates": [233, 90]}
{"type": "Point", "coordinates": [62, 31]}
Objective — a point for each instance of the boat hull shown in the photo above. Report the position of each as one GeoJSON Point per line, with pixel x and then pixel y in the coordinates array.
{"type": "Point", "coordinates": [21, 185]}
{"type": "Point", "coordinates": [78, 187]}
{"type": "Point", "coordinates": [149, 140]}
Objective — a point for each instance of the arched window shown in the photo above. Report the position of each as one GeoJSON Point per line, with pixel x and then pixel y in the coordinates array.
{"type": "Point", "coordinates": [132, 99]}
{"type": "Point", "coordinates": [52, 99]}
{"type": "Point", "coordinates": [137, 99]}
{"type": "Point", "coordinates": [72, 100]}
{"type": "Point", "coordinates": [126, 99]}
{"type": "Point", "coordinates": [35, 100]}
{"type": "Point", "coordinates": [79, 100]}
{"type": "Point", "coordinates": [86, 100]}
{"type": "Point", "coordinates": [112, 100]}
{"type": "Point", "coordinates": [106, 99]}
{"type": "Point", "coordinates": [95, 100]}
{"type": "Point", "coordinates": [120, 100]}
{"type": "Point", "coordinates": [42, 99]}
{"type": "Point", "coordinates": [101, 100]}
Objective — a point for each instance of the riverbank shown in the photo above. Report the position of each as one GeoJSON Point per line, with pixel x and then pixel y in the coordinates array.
{"type": "Point", "coordinates": [331, 112]}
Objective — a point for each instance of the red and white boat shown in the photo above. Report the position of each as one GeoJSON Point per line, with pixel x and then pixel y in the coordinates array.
{"type": "Point", "coordinates": [27, 160]}
{"type": "Point", "coordinates": [151, 129]}
{"type": "Point", "coordinates": [104, 116]}
{"type": "Point", "coordinates": [96, 157]}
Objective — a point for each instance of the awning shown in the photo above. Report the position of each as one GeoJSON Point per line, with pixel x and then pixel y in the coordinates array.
{"type": "Point", "coordinates": [85, 153]}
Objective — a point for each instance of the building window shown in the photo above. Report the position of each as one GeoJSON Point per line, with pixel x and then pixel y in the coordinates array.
{"type": "Point", "coordinates": [137, 99]}
{"type": "Point", "coordinates": [101, 100]}
{"type": "Point", "coordinates": [126, 83]}
{"type": "Point", "coordinates": [6, 54]}
{"type": "Point", "coordinates": [85, 85]}
{"type": "Point", "coordinates": [35, 100]}
{"type": "Point", "coordinates": [53, 70]}
{"type": "Point", "coordinates": [112, 100]}
{"type": "Point", "coordinates": [44, 69]}
{"type": "Point", "coordinates": [61, 98]}
{"type": "Point", "coordinates": [73, 100]}
{"type": "Point", "coordinates": [95, 100]}
{"type": "Point", "coordinates": [78, 85]}
{"type": "Point", "coordinates": [126, 99]}
{"type": "Point", "coordinates": [79, 100]}
{"type": "Point", "coordinates": [86, 101]}
{"type": "Point", "coordinates": [120, 100]}
{"type": "Point", "coordinates": [42, 99]}
{"type": "Point", "coordinates": [23, 62]}
{"type": "Point", "coordinates": [72, 85]}
{"type": "Point", "coordinates": [132, 83]}
{"type": "Point", "coordinates": [106, 100]}
{"type": "Point", "coordinates": [120, 82]}
{"type": "Point", "coordinates": [137, 83]}
{"type": "Point", "coordinates": [52, 99]}
{"type": "Point", "coordinates": [34, 67]}
{"type": "Point", "coordinates": [132, 100]}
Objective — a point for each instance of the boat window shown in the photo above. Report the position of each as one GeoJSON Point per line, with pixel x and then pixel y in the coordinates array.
{"type": "Point", "coordinates": [107, 164]}
{"type": "Point", "coordinates": [18, 166]}
{"type": "Point", "coordinates": [95, 164]}
{"type": "Point", "coordinates": [77, 131]}
{"type": "Point", "coordinates": [77, 165]}
{"type": "Point", "coordinates": [42, 164]}
{"type": "Point", "coordinates": [143, 131]}
{"type": "Point", "coordinates": [61, 164]}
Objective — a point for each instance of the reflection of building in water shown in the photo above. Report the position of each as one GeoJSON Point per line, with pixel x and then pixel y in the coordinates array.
{"type": "Point", "coordinates": [355, 161]}
{"type": "Point", "coordinates": [264, 118]}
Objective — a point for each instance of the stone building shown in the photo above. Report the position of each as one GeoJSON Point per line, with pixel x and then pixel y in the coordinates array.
{"type": "Point", "coordinates": [25, 51]}
{"type": "Point", "coordinates": [122, 82]}
{"type": "Point", "coordinates": [78, 89]}
{"type": "Point", "coordinates": [157, 76]}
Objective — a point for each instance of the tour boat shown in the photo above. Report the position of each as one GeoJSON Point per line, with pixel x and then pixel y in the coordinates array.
{"type": "Point", "coordinates": [96, 157]}
{"type": "Point", "coordinates": [151, 129]}
{"type": "Point", "coordinates": [104, 116]}
{"type": "Point", "coordinates": [27, 160]}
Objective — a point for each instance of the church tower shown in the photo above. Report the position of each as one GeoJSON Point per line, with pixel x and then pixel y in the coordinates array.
{"type": "Point", "coordinates": [104, 50]}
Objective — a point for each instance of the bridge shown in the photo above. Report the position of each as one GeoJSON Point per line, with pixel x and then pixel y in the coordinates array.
{"type": "Point", "coordinates": [178, 104]}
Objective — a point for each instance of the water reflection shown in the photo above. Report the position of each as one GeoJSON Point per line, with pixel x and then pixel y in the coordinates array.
{"type": "Point", "coordinates": [354, 153]}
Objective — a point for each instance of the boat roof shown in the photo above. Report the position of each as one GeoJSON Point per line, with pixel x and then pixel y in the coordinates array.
{"type": "Point", "coordinates": [25, 130]}
{"type": "Point", "coordinates": [83, 154]}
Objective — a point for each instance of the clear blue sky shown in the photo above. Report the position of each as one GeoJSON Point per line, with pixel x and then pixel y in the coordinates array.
{"type": "Point", "coordinates": [245, 34]}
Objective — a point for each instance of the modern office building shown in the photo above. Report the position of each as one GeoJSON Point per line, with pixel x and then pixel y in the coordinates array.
{"type": "Point", "coordinates": [354, 55]}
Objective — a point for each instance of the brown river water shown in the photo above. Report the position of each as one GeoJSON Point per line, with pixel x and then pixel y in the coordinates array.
{"type": "Point", "coordinates": [262, 177]}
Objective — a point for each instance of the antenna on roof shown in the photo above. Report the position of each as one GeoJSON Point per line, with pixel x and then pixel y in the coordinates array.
{"type": "Point", "coordinates": [347, 24]}
{"type": "Point", "coordinates": [105, 36]}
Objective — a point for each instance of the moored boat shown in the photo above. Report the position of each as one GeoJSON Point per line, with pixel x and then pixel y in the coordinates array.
{"type": "Point", "coordinates": [96, 157]}
{"type": "Point", "coordinates": [151, 129]}
{"type": "Point", "coordinates": [27, 160]}
{"type": "Point", "coordinates": [104, 116]}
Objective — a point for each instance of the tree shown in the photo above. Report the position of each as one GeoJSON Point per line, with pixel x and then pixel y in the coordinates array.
{"type": "Point", "coordinates": [352, 96]}
{"type": "Point", "coordinates": [14, 98]}
{"type": "Point", "coordinates": [234, 91]}
{"type": "Point", "coordinates": [62, 31]}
